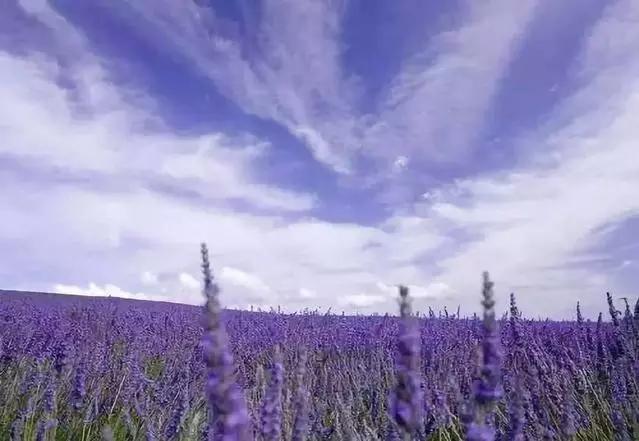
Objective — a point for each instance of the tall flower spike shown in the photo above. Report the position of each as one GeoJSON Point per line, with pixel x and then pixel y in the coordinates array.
{"type": "Point", "coordinates": [271, 424]}
{"type": "Point", "coordinates": [406, 401]}
{"type": "Point", "coordinates": [228, 414]}
{"type": "Point", "coordinates": [614, 314]}
{"type": "Point", "coordinates": [79, 387]}
{"type": "Point", "coordinates": [514, 311]}
{"type": "Point", "coordinates": [514, 320]}
{"type": "Point", "coordinates": [487, 389]}
{"type": "Point", "coordinates": [580, 318]}
{"type": "Point", "coordinates": [175, 423]}
{"type": "Point", "coordinates": [517, 417]}
{"type": "Point", "coordinates": [628, 319]}
{"type": "Point", "coordinates": [300, 424]}
{"type": "Point", "coordinates": [618, 349]}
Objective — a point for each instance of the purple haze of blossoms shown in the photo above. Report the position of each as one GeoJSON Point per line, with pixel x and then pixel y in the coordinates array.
{"type": "Point", "coordinates": [560, 379]}
{"type": "Point", "coordinates": [229, 419]}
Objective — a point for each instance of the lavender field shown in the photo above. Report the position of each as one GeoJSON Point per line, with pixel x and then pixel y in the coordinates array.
{"type": "Point", "coordinates": [104, 368]}
{"type": "Point", "coordinates": [422, 219]}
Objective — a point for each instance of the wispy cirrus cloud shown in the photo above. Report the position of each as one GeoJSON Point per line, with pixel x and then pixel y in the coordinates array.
{"type": "Point", "coordinates": [435, 109]}
{"type": "Point", "coordinates": [286, 70]}
{"type": "Point", "coordinates": [69, 115]}
{"type": "Point", "coordinates": [289, 69]}
{"type": "Point", "coordinates": [531, 223]}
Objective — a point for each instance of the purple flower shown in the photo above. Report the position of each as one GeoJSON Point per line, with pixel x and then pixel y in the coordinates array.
{"type": "Point", "coordinates": [621, 432]}
{"type": "Point", "coordinates": [175, 423]}
{"type": "Point", "coordinates": [79, 387]}
{"type": "Point", "coordinates": [614, 314]}
{"type": "Point", "coordinates": [406, 400]}
{"type": "Point", "coordinates": [300, 424]}
{"type": "Point", "coordinates": [517, 416]}
{"type": "Point", "coordinates": [580, 318]}
{"type": "Point", "coordinates": [479, 432]}
{"type": "Point", "coordinates": [392, 434]}
{"type": "Point", "coordinates": [568, 421]}
{"type": "Point", "coordinates": [271, 416]}
{"type": "Point", "coordinates": [30, 380]}
{"type": "Point", "coordinates": [150, 432]}
{"type": "Point", "coordinates": [50, 396]}
{"type": "Point", "coordinates": [228, 414]}
{"type": "Point", "coordinates": [26, 412]}
{"type": "Point", "coordinates": [61, 356]}
{"type": "Point", "coordinates": [487, 388]}
{"type": "Point", "coordinates": [45, 426]}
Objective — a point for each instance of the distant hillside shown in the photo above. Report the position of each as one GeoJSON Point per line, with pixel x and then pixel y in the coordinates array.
{"type": "Point", "coordinates": [57, 298]}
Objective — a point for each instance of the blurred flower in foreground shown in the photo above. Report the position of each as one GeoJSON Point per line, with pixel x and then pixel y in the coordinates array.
{"type": "Point", "coordinates": [228, 414]}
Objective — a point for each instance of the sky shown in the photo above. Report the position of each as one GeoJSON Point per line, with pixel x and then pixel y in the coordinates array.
{"type": "Point", "coordinates": [326, 151]}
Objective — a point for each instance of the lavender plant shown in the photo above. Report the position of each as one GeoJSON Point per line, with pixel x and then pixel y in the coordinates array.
{"type": "Point", "coordinates": [406, 399]}
{"type": "Point", "coordinates": [228, 415]}
{"type": "Point", "coordinates": [487, 388]}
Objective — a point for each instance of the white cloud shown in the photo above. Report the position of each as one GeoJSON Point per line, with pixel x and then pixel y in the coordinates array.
{"type": "Point", "coordinates": [401, 162]}
{"type": "Point", "coordinates": [361, 300]}
{"type": "Point", "coordinates": [435, 290]}
{"type": "Point", "coordinates": [431, 110]}
{"type": "Point", "coordinates": [87, 126]}
{"type": "Point", "coordinates": [322, 149]}
{"type": "Point", "coordinates": [188, 281]}
{"type": "Point", "coordinates": [306, 293]}
{"type": "Point", "coordinates": [432, 291]}
{"type": "Point", "coordinates": [530, 223]}
{"type": "Point", "coordinates": [243, 279]}
{"type": "Point", "coordinates": [276, 257]}
{"type": "Point", "coordinates": [108, 290]}
{"type": "Point", "coordinates": [149, 278]}
{"type": "Point", "coordinates": [434, 110]}
{"type": "Point", "coordinates": [299, 56]}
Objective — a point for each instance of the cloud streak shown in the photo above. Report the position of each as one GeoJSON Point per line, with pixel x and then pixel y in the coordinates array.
{"type": "Point", "coordinates": [529, 223]}
{"type": "Point", "coordinates": [434, 110]}
{"type": "Point", "coordinates": [289, 70]}
{"type": "Point", "coordinates": [72, 117]}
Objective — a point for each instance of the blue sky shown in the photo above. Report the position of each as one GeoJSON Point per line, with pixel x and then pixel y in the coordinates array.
{"type": "Point", "coordinates": [326, 151]}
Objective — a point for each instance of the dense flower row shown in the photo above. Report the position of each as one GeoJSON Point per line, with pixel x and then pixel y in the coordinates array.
{"type": "Point", "coordinates": [94, 368]}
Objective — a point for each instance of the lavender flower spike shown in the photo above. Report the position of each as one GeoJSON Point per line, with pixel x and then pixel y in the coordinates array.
{"type": "Point", "coordinates": [271, 417]}
{"type": "Point", "coordinates": [228, 414]}
{"type": "Point", "coordinates": [406, 399]}
{"type": "Point", "coordinates": [517, 417]}
{"type": "Point", "coordinates": [487, 390]}
{"type": "Point", "coordinates": [300, 424]}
